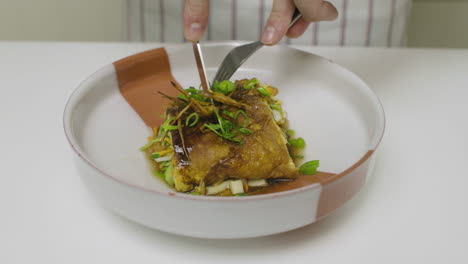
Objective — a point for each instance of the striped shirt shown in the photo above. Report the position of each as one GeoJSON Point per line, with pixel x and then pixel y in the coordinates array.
{"type": "Point", "coordinates": [360, 23]}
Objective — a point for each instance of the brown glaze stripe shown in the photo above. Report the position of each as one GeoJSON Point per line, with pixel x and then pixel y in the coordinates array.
{"type": "Point", "coordinates": [338, 189]}
{"type": "Point", "coordinates": [140, 77]}
{"type": "Point", "coordinates": [301, 181]}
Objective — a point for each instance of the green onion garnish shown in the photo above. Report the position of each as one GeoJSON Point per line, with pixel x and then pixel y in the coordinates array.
{"type": "Point", "coordinates": [159, 174]}
{"type": "Point", "coordinates": [191, 116]}
{"type": "Point", "coordinates": [240, 112]}
{"type": "Point", "coordinates": [147, 145]}
{"type": "Point", "coordinates": [165, 164]}
{"type": "Point", "coordinates": [166, 125]}
{"type": "Point", "coordinates": [245, 131]}
{"type": "Point", "coordinates": [250, 84]}
{"type": "Point", "coordinates": [276, 107]}
{"type": "Point", "coordinates": [290, 132]}
{"type": "Point", "coordinates": [168, 176]}
{"type": "Point", "coordinates": [155, 155]}
{"type": "Point", "coordinates": [223, 87]}
{"type": "Point", "coordinates": [264, 91]}
{"type": "Point", "coordinates": [298, 143]}
{"type": "Point", "coordinates": [228, 113]}
{"type": "Point", "coordinates": [310, 167]}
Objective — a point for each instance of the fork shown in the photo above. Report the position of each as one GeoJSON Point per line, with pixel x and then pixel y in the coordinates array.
{"type": "Point", "coordinates": [237, 56]}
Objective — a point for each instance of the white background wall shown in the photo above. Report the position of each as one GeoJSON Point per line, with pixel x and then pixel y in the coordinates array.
{"type": "Point", "coordinates": [434, 23]}
{"type": "Point", "coordinates": [79, 20]}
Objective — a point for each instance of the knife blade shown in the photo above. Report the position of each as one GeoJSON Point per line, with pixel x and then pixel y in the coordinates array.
{"type": "Point", "coordinates": [200, 65]}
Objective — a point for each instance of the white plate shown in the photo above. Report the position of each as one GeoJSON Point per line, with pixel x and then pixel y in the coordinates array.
{"type": "Point", "coordinates": [337, 114]}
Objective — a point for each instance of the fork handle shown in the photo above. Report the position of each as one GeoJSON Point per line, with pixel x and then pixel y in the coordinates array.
{"type": "Point", "coordinates": [295, 17]}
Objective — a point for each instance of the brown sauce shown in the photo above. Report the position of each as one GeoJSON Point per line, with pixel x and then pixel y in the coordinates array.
{"type": "Point", "coordinates": [300, 181]}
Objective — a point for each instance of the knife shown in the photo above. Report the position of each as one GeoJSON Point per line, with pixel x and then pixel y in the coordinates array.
{"type": "Point", "coordinates": [200, 65]}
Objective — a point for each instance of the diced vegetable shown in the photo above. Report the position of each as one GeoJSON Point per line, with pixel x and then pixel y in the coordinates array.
{"type": "Point", "coordinates": [257, 183]}
{"type": "Point", "coordinates": [277, 116]}
{"type": "Point", "coordinates": [211, 190]}
{"type": "Point", "coordinates": [237, 187]}
{"type": "Point", "coordinates": [164, 158]}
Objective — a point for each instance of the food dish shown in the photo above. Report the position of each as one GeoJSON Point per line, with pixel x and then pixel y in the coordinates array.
{"type": "Point", "coordinates": [330, 107]}
{"type": "Point", "coordinates": [231, 140]}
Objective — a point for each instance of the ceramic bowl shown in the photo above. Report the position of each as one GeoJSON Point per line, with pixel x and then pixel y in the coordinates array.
{"type": "Point", "coordinates": [337, 114]}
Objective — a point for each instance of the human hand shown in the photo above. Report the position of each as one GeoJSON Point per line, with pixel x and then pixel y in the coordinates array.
{"type": "Point", "coordinates": [282, 11]}
{"type": "Point", "coordinates": [196, 18]}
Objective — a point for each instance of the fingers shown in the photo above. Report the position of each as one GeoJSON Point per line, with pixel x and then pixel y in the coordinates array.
{"type": "Point", "coordinates": [316, 10]}
{"type": "Point", "coordinates": [298, 28]}
{"type": "Point", "coordinates": [278, 22]}
{"type": "Point", "coordinates": [195, 18]}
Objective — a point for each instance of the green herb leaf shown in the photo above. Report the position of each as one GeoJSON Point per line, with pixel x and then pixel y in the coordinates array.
{"type": "Point", "coordinates": [182, 96]}
{"type": "Point", "coordinates": [263, 91]}
{"type": "Point", "coordinates": [192, 90]}
{"type": "Point", "coordinates": [192, 116]}
{"type": "Point", "coordinates": [298, 143]}
{"type": "Point", "coordinates": [310, 167]}
{"type": "Point", "coordinates": [155, 155]}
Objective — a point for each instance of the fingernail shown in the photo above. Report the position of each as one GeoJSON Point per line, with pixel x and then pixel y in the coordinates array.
{"type": "Point", "coordinates": [330, 13]}
{"type": "Point", "coordinates": [269, 35]}
{"type": "Point", "coordinates": [194, 31]}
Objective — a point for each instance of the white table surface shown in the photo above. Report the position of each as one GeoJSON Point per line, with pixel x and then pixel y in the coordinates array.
{"type": "Point", "coordinates": [414, 210]}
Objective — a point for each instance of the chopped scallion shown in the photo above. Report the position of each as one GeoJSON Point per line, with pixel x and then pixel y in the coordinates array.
{"type": "Point", "coordinates": [166, 125]}
{"type": "Point", "coordinates": [245, 131]}
{"type": "Point", "coordinates": [263, 91]}
{"type": "Point", "coordinates": [310, 167]}
{"type": "Point", "coordinates": [147, 145]}
{"type": "Point", "coordinates": [228, 113]}
{"type": "Point", "coordinates": [223, 87]}
{"type": "Point", "coordinates": [191, 116]}
{"type": "Point", "coordinates": [298, 143]}
{"type": "Point", "coordinates": [276, 107]}
{"type": "Point", "coordinates": [168, 176]}
{"type": "Point", "coordinates": [291, 133]}
{"type": "Point", "coordinates": [250, 84]}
